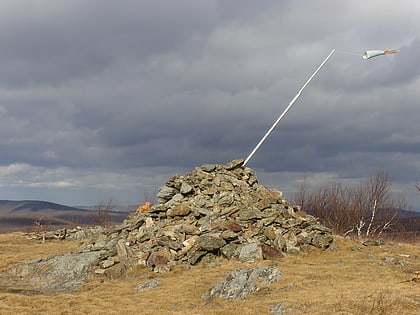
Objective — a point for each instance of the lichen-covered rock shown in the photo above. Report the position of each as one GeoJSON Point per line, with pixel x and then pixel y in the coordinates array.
{"type": "Point", "coordinates": [148, 285]}
{"type": "Point", "coordinates": [241, 282]}
{"type": "Point", "coordinates": [251, 252]}
{"type": "Point", "coordinates": [57, 274]}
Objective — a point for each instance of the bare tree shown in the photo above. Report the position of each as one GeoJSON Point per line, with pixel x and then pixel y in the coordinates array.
{"type": "Point", "coordinates": [101, 214]}
{"type": "Point", "coordinates": [367, 209]}
{"type": "Point", "coordinates": [383, 207]}
{"type": "Point", "coordinates": [301, 197]}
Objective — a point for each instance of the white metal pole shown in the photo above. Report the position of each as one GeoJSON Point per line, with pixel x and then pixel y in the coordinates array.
{"type": "Point", "coordinates": [287, 108]}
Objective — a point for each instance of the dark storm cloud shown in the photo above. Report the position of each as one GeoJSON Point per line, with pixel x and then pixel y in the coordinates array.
{"type": "Point", "coordinates": [118, 95]}
{"type": "Point", "coordinates": [53, 42]}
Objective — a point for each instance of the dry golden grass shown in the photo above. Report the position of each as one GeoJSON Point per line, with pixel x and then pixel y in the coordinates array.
{"type": "Point", "coordinates": [352, 280]}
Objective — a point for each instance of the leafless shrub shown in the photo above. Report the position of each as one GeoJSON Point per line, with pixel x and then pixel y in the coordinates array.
{"type": "Point", "coordinates": [41, 226]}
{"type": "Point", "coordinates": [100, 215]}
{"type": "Point", "coordinates": [365, 210]}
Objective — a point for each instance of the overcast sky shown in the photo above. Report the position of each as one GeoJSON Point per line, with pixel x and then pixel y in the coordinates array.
{"type": "Point", "coordinates": [107, 99]}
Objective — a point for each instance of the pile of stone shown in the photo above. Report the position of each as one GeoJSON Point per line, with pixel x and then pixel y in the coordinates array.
{"type": "Point", "coordinates": [213, 211]}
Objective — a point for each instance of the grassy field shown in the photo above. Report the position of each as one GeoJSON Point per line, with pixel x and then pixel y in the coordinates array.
{"type": "Point", "coordinates": [351, 279]}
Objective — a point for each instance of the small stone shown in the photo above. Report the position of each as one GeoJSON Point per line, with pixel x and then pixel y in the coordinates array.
{"type": "Point", "coordinates": [194, 256]}
{"type": "Point", "coordinates": [250, 253]}
{"type": "Point", "coordinates": [228, 235]}
{"type": "Point", "coordinates": [208, 167]}
{"type": "Point", "coordinates": [100, 271]}
{"type": "Point", "coordinates": [166, 193]}
{"type": "Point", "coordinates": [142, 258]}
{"type": "Point", "coordinates": [209, 243]}
{"type": "Point", "coordinates": [270, 252]}
{"type": "Point", "coordinates": [234, 227]}
{"type": "Point", "coordinates": [99, 245]}
{"type": "Point", "coordinates": [177, 198]}
{"type": "Point", "coordinates": [158, 261]}
{"type": "Point", "coordinates": [106, 263]}
{"type": "Point", "coordinates": [225, 199]}
{"type": "Point", "coordinates": [377, 242]}
{"type": "Point", "coordinates": [148, 285]}
{"type": "Point", "coordinates": [189, 229]}
{"type": "Point", "coordinates": [234, 164]}
{"type": "Point", "coordinates": [121, 249]}
{"type": "Point", "coordinates": [180, 210]}
{"type": "Point", "coordinates": [322, 241]}
{"type": "Point", "coordinates": [270, 233]}
{"type": "Point", "coordinates": [149, 223]}
{"type": "Point", "coordinates": [291, 239]}
{"type": "Point", "coordinates": [249, 214]}
{"type": "Point", "coordinates": [185, 188]}
{"type": "Point", "coordinates": [231, 250]}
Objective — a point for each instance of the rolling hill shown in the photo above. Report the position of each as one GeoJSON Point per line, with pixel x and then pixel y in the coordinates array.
{"type": "Point", "coordinates": [24, 215]}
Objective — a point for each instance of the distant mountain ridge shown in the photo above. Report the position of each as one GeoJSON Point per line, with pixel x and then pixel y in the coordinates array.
{"type": "Point", "coordinates": [22, 215]}
{"type": "Point", "coordinates": [408, 214]}
{"type": "Point", "coordinates": [33, 205]}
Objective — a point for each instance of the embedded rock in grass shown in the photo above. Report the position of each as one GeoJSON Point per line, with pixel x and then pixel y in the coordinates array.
{"type": "Point", "coordinates": [148, 285]}
{"type": "Point", "coordinates": [57, 274]}
{"type": "Point", "coordinates": [241, 282]}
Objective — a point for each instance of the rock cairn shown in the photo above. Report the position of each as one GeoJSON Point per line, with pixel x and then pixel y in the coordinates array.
{"type": "Point", "coordinates": [215, 210]}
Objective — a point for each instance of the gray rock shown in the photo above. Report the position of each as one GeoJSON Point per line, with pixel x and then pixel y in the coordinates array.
{"type": "Point", "coordinates": [159, 260]}
{"type": "Point", "coordinates": [231, 250]}
{"type": "Point", "coordinates": [322, 240]}
{"type": "Point", "coordinates": [281, 308]}
{"type": "Point", "coordinates": [377, 242]}
{"type": "Point", "coordinates": [106, 263]}
{"type": "Point", "coordinates": [177, 197]}
{"type": "Point", "coordinates": [234, 164]}
{"type": "Point", "coordinates": [194, 256]}
{"type": "Point", "coordinates": [241, 282]}
{"type": "Point", "coordinates": [209, 243]}
{"type": "Point", "coordinates": [225, 199]}
{"type": "Point", "coordinates": [188, 229]}
{"type": "Point", "coordinates": [185, 188]}
{"type": "Point", "coordinates": [270, 252]}
{"type": "Point", "coordinates": [166, 193]}
{"type": "Point", "coordinates": [57, 274]}
{"type": "Point", "coordinates": [148, 285]}
{"type": "Point", "coordinates": [208, 167]}
{"type": "Point", "coordinates": [121, 249]}
{"type": "Point", "coordinates": [251, 252]}
{"type": "Point", "coordinates": [286, 308]}
{"type": "Point", "coordinates": [250, 214]}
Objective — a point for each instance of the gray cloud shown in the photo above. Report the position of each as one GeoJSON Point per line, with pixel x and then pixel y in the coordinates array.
{"type": "Point", "coordinates": [110, 98]}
